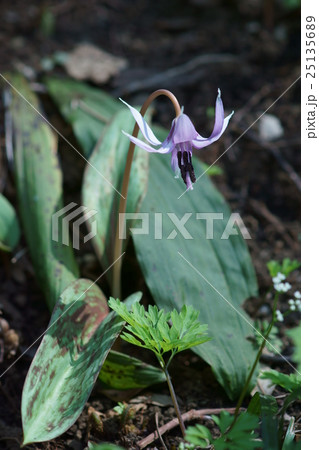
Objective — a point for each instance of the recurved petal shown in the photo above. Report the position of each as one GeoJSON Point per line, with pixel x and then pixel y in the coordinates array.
{"type": "Point", "coordinates": [163, 149]}
{"type": "Point", "coordinates": [201, 142]}
{"type": "Point", "coordinates": [219, 115]}
{"type": "Point", "coordinates": [145, 129]}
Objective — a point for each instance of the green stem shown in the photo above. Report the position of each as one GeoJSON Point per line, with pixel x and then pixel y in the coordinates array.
{"type": "Point", "coordinates": [118, 246]}
{"type": "Point", "coordinates": [175, 403]}
{"type": "Point", "coordinates": [252, 370]}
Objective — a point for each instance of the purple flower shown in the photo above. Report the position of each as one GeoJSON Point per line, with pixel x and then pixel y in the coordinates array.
{"type": "Point", "coordinates": [181, 139]}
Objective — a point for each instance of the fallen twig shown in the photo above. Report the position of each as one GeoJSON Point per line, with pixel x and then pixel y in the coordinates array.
{"type": "Point", "coordinates": [190, 415]}
{"type": "Point", "coordinates": [159, 434]}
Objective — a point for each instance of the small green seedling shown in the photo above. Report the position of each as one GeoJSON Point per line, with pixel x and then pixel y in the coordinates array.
{"type": "Point", "coordinates": [124, 411]}
{"type": "Point", "coordinates": [162, 333]}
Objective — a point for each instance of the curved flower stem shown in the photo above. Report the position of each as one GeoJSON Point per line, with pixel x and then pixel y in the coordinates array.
{"type": "Point", "coordinates": [252, 370]}
{"type": "Point", "coordinates": [116, 282]}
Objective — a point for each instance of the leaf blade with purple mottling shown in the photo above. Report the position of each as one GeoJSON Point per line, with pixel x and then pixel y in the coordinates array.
{"type": "Point", "coordinates": [68, 361]}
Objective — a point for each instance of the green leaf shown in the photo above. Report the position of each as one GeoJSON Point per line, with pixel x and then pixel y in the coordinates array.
{"type": "Point", "coordinates": [199, 435]}
{"type": "Point", "coordinates": [295, 335]}
{"type": "Point", "coordinates": [105, 446]}
{"type": "Point", "coordinates": [286, 267]}
{"type": "Point", "coordinates": [289, 441]}
{"type": "Point", "coordinates": [67, 363]}
{"type": "Point", "coordinates": [269, 422]}
{"type": "Point", "coordinates": [102, 193]}
{"type": "Point", "coordinates": [9, 226]}
{"type": "Point", "coordinates": [265, 404]}
{"type": "Point", "coordinates": [39, 185]}
{"type": "Point", "coordinates": [187, 331]}
{"type": "Point", "coordinates": [78, 102]}
{"type": "Point", "coordinates": [290, 382]}
{"type": "Point", "coordinates": [240, 436]}
{"type": "Point", "coordinates": [175, 280]}
{"type": "Point", "coordinates": [121, 372]}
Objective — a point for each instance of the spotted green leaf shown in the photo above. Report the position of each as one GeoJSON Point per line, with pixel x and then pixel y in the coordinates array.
{"type": "Point", "coordinates": [67, 363]}
{"type": "Point", "coordinates": [122, 372]}
{"type": "Point", "coordinates": [97, 120]}
{"type": "Point", "coordinates": [9, 226]}
{"type": "Point", "coordinates": [103, 193]}
{"type": "Point", "coordinates": [39, 186]}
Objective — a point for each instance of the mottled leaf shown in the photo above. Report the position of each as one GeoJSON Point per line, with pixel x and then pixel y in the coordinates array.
{"type": "Point", "coordinates": [67, 363]}
{"type": "Point", "coordinates": [121, 372]}
{"type": "Point", "coordinates": [97, 120]}
{"type": "Point", "coordinates": [39, 185]}
{"type": "Point", "coordinates": [86, 108]}
{"type": "Point", "coordinates": [103, 194]}
{"type": "Point", "coordinates": [214, 275]}
{"type": "Point", "coordinates": [9, 226]}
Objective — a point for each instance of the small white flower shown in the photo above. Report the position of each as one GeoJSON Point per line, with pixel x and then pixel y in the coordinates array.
{"type": "Point", "coordinates": [298, 305]}
{"type": "Point", "coordinates": [297, 294]}
{"type": "Point", "coordinates": [291, 302]}
{"type": "Point", "coordinates": [279, 316]}
{"type": "Point", "coordinates": [278, 278]}
{"type": "Point", "coordinates": [278, 286]}
{"type": "Point", "coordinates": [286, 287]}
{"type": "Point", "coordinates": [282, 287]}
{"type": "Point", "coordinates": [292, 308]}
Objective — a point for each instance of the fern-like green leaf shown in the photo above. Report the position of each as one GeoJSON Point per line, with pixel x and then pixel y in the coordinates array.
{"type": "Point", "coordinates": [290, 382]}
{"type": "Point", "coordinates": [151, 329]}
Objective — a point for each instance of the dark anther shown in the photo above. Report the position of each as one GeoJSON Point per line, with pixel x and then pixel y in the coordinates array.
{"type": "Point", "coordinates": [190, 169]}
{"type": "Point", "coordinates": [191, 173]}
{"type": "Point", "coordinates": [179, 156]}
{"type": "Point", "coordinates": [183, 173]}
{"type": "Point", "coordinates": [186, 167]}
